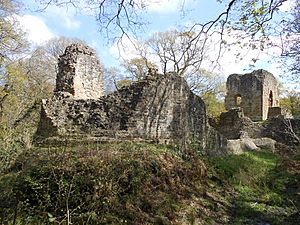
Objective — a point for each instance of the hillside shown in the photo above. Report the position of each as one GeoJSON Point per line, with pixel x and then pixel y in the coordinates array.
{"type": "Point", "coordinates": [136, 183]}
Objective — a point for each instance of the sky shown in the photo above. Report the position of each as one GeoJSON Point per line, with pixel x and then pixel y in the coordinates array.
{"type": "Point", "coordinates": [161, 15]}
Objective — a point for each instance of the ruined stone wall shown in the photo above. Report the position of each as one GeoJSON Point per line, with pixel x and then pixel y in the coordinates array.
{"type": "Point", "coordinates": [270, 96]}
{"type": "Point", "coordinates": [80, 74]}
{"type": "Point", "coordinates": [234, 125]}
{"type": "Point", "coordinates": [283, 130]}
{"type": "Point", "coordinates": [161, 109]}
{"type": "Point", "coordinates": [251, 92]}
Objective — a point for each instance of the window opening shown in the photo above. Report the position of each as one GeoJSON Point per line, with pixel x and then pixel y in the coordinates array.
{"type": "Point", "coordinates": [271, 99]}
{"type": "Point", "coordinates": [238, 100]}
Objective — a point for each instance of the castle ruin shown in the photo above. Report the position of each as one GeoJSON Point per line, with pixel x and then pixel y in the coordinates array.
{"type": "Point", "coordinates": [254, 92]}
{"type": "Point", "coordinates": [159, 108]}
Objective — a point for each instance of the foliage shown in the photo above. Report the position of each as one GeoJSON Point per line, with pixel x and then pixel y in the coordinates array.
{"type": "Point", "coordinates": [131, 183]}
{"type": "Point", "coordinates": [18, 114]}
{"type": "Point", "coordinates": [291, 101]}
{"type": "Point", "coordinates": [214, 106]}
{"type": "Point", "coordinates": [25, 82]}
{"type": "Point", "coordinates": [12, 39]}
{"type": "Point", "coordinates": [103, 184]}
{"type": "Point", "coordinates": [123, 83]}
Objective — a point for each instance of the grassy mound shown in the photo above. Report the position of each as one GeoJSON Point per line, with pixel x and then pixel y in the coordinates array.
{"type": "Point", "coordinates": [105, 184]}
{"type": "Point", "coordinates": [131, 183]}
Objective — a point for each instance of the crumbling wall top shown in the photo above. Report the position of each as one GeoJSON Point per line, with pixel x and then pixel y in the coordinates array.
{"type": "Point", "coordinates": [80, 74]}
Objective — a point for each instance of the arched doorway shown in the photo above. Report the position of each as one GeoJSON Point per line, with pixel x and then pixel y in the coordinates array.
{"type": "Point", "coordinates": [271, 99]}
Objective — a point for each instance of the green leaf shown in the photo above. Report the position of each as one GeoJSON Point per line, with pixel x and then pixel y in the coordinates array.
{"type": "Point", "coordinates": [51, 219]}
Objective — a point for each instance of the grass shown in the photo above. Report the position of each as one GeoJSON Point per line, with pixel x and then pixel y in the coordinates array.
{"type": "Point", "coordinates": [123, 183]}
{"type": "Point", "coordinates": [136, 183]}
{"type": "Point", "coordinates": [260, 181]}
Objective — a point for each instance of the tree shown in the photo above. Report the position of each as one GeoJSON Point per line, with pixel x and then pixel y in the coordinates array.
{"type": "Point", "coordinates": [255, 21]}
{"type": "Point", "coordinates": [204, 82]}
{"type": "Point", "coordinates": [16, 98]}
{"type": "Point", "coordinates": [214, 105]}
{"type": "Point", "coordinates": [179, 52]}
{"type": "Point", "coordinates": [116, 17]}
{"type": "Point", "coordinates": [291, 101]}
{"type": "Point", "coordinates": [111, 77]}
{"type": "Point", "coordinates": [42, 62]}
{"type": "Point", "coordinates": [253, 17]}
{"type": "Point", "coordinates": [138, 67]}
{"type": "Point", "coordinates": [25, 82]}
{"type": "Point", "coordinates": [291, 42]}
{"type": "Point", "coordinates": [12, 40]}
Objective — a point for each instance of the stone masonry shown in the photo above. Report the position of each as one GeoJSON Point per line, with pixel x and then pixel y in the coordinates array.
{"type": "Point", "coordinates": [254, 92]}
{"type": "Point", "coordinates": [79, 73]}
{"type": "Point", "coordinates": [159, 108]}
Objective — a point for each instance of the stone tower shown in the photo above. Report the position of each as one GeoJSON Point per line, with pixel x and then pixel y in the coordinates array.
{"type": "Point", "coordinates": [254, 92]}
{"type": "Point", "coordinates": [79, 73]}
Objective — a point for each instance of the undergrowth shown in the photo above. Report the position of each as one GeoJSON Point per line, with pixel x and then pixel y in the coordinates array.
{"type": "Point", "coordinates": [104, 184]}
{"type": "Point", "coordinates": [135, 183]}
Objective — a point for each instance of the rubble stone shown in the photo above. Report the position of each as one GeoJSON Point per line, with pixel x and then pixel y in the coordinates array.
{"type": "Point", "coordinates": [233, 124]}
{"type": "Point", "coordinates": [279, 112]}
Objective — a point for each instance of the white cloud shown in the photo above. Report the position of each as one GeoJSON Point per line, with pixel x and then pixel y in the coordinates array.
{"type": "Point", "coordinates": [287, 5]}
{"type": "Point", "coordinates": [124, 48]}
{"type": "Point", "coordinates": [164, 6]}
{"type": "Point", "coordinates": [66, 17]}
{"type": "Point", "coordinates": [36, 29]}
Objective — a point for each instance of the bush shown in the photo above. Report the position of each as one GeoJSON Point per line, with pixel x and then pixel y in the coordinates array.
{"type": "Point", "coordinates": [104, 184]}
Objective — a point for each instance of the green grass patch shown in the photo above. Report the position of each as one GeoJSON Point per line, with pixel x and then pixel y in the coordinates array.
{"type": "Point", "coordinates": [260, 181]}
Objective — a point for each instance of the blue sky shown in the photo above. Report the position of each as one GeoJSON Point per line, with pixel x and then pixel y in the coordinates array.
{"type": "Point", "coordinates": [161, 15]}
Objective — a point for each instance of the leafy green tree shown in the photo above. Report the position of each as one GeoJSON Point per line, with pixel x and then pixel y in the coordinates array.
{"type": "Point", "coordinates": [15, 100]}
{"type": "Point", "coordinates": [12, 40]}
{"type": "Point", "coordinates": [291, 101]}
{"type": "Point", "coordinates": [25, 81]}
{"type": "Point", "coordinates": [214, 104]}
{"type": "Point", "coordinates": [31, 78]}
